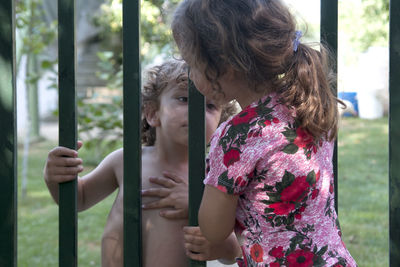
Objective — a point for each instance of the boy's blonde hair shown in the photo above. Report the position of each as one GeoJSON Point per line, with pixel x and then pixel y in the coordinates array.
{"type": "Point", "coordinates": [157, 79]}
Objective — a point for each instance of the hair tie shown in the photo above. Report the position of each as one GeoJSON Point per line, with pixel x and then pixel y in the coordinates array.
{"type": "Point", "coordinates": [296, 41]}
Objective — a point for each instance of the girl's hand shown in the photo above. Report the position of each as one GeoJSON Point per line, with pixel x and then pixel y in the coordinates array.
{"type": "Point", "coordinates": [199, 248]}
{"type": "Point", "coordinates": [173, 194]}
{"type": "Point", "coordinates": [62, 165]}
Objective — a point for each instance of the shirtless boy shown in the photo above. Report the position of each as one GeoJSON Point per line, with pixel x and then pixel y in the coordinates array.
{"type": "Point", "coordinates": [165, 136]}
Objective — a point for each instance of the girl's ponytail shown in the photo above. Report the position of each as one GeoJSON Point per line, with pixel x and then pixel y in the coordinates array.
{"type": "Point", "coordinates": [308, 89]}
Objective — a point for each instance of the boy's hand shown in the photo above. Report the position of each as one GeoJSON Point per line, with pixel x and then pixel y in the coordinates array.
{"type": "Point", "coordinates": [174, 194]}
{"type": "Point", "coordinates": [199, 248]}
{"type": "Point", "coordinates": [62, 165]}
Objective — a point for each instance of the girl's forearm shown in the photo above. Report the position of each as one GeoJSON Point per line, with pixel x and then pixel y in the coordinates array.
{"type": "Point", "coordinates": [217, 214]}
{"type": "Point", "coordinates": [230, 250]}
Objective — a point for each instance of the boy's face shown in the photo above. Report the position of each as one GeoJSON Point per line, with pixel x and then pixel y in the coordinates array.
{"type": "Point", "coordinates": [173, 114]}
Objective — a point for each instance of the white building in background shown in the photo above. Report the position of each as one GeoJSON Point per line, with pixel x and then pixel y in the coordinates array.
{"type": "Point", "coordinates": [87, 48]}
{"type": "Point", "coordinates": [373, 77]}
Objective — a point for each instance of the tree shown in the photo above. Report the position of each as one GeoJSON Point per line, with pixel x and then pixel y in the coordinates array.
{"type": "Point", "coordinates": [36, 37]}
{"type": "Point", "coordinates": [366, 22]}
{"type": "Point", "coordinates": [105, 119]}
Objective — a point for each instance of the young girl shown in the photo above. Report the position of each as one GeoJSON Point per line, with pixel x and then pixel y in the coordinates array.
{"type": "Point", "coordinates": [165, 136]}
{"type": "Point", "coordinates": [269, 172]}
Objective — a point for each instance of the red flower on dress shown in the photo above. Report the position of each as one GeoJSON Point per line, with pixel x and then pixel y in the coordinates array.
{"type": "Point", "coordinates": [296, 190]}
{"type": "Point", "coordinates": [275, 120]}
{"type": "Point", "coordinates": [240, 181]}
{"type": "Point", "coordinates": [282, 208]}
{"type": "Point", "coordinates": [300, 258]}
{"type": "Point", "coordinates": [274, 264]}
{"type": "Point", "coordinates": [231, 156]}
{"type": "Point", "coordinates": [314, 193]}
{"type": "Point", "coordinates": [317, 176]}
{"type": "Point", "coordinates": [297, 216]}
{"type": "Point", "coordinates": [331, 188]}
{"type": "Point", "coordinates": [303, 139]}
{"type": "Point", "coordinates": [267, 122]}
{"type": "Point", "coordinates": [222, 188]}
{"type": "Point", "coordinates": [277, 252]}
{"type": "Point", "coordinates": [244, 117]}
{"type": "Point", "coordinates": [256, 253]}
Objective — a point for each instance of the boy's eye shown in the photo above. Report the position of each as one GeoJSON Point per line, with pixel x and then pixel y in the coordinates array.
{"type": "Point", "coordinates": [182, 99]}
{"type": "Point", "coordinates": [211, 106]}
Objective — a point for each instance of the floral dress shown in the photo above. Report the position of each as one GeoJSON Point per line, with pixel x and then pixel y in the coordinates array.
{"type": "Point", "coordinates": [285, 214]}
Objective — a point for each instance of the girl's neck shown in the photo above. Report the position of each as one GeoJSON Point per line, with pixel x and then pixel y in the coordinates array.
{"type": "Point", "coordinates": [238, 88]}
{"type": "Point", "coordinates": [248, 98]}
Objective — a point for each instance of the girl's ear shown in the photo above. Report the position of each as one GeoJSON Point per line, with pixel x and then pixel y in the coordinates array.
{"type": "Point", "coordinates": [151, 115]}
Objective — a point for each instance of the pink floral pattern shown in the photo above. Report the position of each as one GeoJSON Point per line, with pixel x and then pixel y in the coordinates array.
{"type": "Point", "coordinates": [284, 179]}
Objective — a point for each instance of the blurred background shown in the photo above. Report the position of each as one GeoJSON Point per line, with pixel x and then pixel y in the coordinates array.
{"type": "Point", "coordinates": [363, 135]}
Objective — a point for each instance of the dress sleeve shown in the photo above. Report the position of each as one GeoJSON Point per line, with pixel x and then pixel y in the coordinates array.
{"type": "Point", "coordinates": [230, 167]}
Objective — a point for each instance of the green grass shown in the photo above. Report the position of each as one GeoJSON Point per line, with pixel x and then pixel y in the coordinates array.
{"type": "Point", "coordinates": [363, 190]}
{"type": "Point", "coordinates": [363, 202]}
{"type": "Point", "coordinates": [38, 219]}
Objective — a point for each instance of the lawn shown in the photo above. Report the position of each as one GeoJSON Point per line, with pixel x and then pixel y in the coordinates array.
{"type": "Point", "coordinates": [363, 190]}
{"type": "Point", "coordinates": [363, 202]}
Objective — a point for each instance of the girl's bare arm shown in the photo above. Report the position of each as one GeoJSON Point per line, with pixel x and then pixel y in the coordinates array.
{"type": "Point", "coordinates": [217, 214]}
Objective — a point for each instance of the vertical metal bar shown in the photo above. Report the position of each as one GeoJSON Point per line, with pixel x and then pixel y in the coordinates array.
{"type": "Point", "coordinates": [329, 36]}
{"type": "Point", "coordinates": [132, 145]}
{"type": "Point", "coordinates": [196, 157]}
{"type": "Point", "coordinates": [394, 134]}
{"type": "Point", "coordinates": [8, 137]}
{"type": "Point", "coordinates": [67, 130]}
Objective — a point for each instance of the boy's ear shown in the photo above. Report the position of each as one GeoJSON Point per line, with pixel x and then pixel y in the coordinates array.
{"type": "Point", "coordinates": [151, 115]}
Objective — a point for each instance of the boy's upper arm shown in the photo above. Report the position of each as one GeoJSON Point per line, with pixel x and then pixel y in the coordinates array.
{"type": "Point", "coordinates": [100, 182]}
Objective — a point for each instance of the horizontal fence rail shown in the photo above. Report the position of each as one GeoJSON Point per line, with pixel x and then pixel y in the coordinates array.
{"type": "Point", "coordinates": [68, 218]}
{"type": "Point", "coordinates": [8, 137]}
{"type": "Point", "coordinates": [394, 134]}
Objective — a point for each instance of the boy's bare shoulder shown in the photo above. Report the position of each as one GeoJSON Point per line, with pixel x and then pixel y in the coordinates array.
{"type": "Point", "coordinates": [116, 155]}
{"type": "Point", "coordinates": [119, 153]}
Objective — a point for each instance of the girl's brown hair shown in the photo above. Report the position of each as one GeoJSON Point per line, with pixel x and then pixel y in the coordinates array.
{"type": "Point", "coordinates": [157, 79]}
{"type": "Point", "coordinates": [256, 39]}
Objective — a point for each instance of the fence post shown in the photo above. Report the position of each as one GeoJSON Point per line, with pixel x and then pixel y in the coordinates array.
{"type": "Point", "coordinates": [394, 134]}
{"type": "Point", "coordinates": [329, 36]}
{"type": "Point", "coordinates": [8, 137]}
{"type": "Point", "coordinates": [67, 130]}
{"type": "Point", "coordinates": [132, 141]}
{"type": "Point", "coordinates": [196, 157]}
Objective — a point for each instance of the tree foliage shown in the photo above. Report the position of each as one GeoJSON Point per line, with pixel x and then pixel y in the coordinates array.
{"type": "Point", "coordinates": [365, 22]}
{"type": "Point", "coordinates": [154, 26]}
{"type": "Point", "coordinates": [105, 119]}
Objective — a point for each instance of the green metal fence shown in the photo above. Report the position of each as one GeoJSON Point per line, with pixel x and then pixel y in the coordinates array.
{"type": "Point", "coordinates": [68, 218]}
{"type": "Point", "coordinates": [394, 134]}
{"type": "Point", "coordinates": [132, 145]}
{"type": "Point", "coordinates": [8, 144]}
{"type": "Point", "coordinates": [132, 171]}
